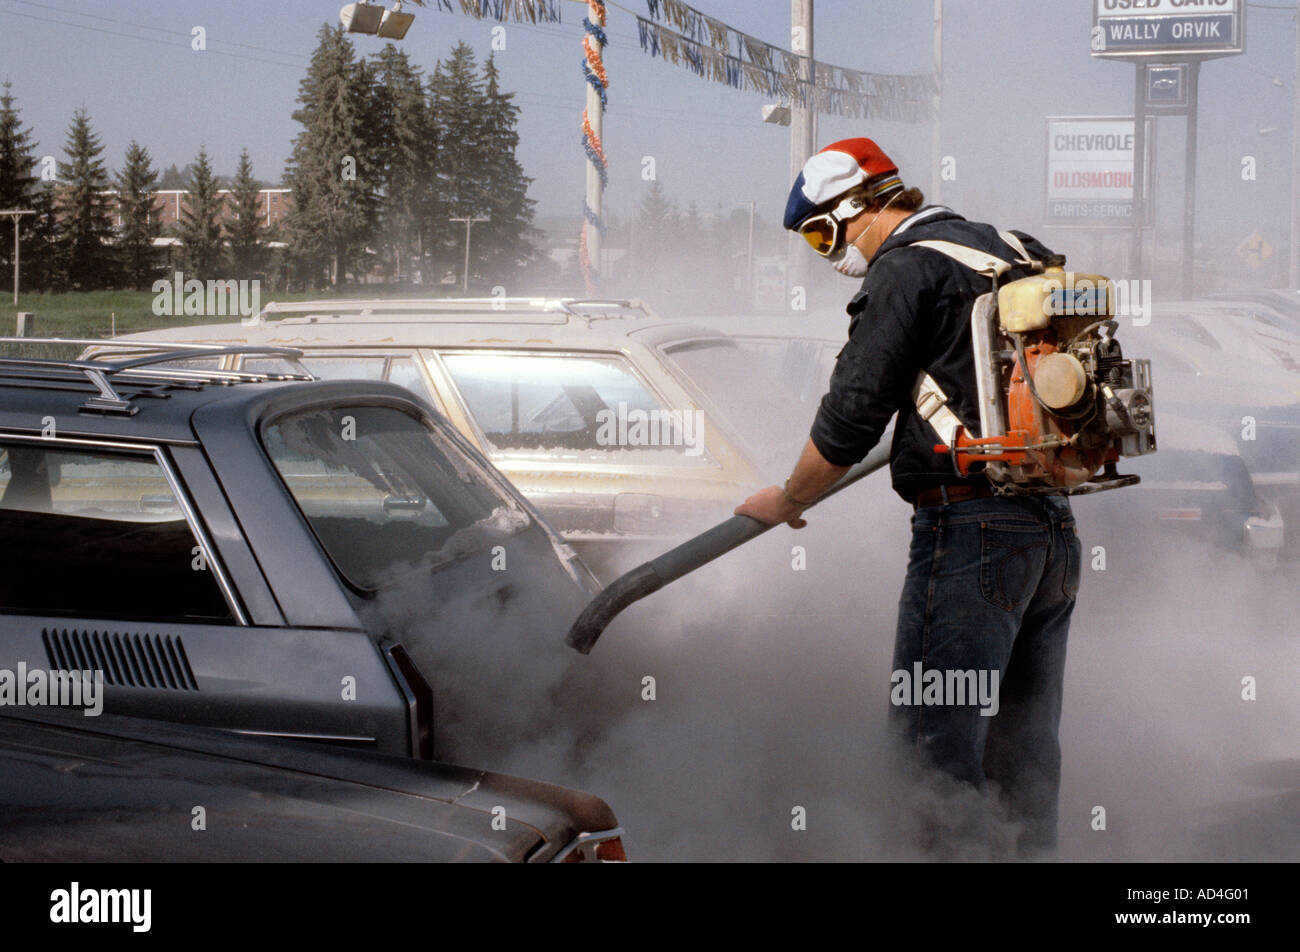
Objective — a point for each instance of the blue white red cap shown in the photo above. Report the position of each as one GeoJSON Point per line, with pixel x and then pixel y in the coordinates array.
{"type": "Point", "coordinates": [833, 171]}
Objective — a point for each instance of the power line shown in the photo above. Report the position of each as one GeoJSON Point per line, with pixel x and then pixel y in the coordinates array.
{"type": "Point", "coordinates": [145, 26]}
{"type": "Point", "coordinates": [147, 39]}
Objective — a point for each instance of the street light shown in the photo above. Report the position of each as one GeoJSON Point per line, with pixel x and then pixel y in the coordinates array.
{"type": "Point", "coordinates": [469, 223]}
{"type": "Point", "coordinates": [395, 23]}
{"type": "Point", "coordinates": [15, 214]}
{"type": "Point", "coordinates": [373, 20]}
{"type": "Point", "coordinates": [361, 18]}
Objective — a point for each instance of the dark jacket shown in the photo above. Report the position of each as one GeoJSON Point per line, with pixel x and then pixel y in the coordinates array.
{"type": "Point", "coordinates": [912, 313]}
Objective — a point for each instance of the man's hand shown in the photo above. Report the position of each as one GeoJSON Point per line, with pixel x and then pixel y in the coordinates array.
{"type": "Point", "coordinates": [770, 506]}
{"type": "Point", "coordinates": [812, 476]}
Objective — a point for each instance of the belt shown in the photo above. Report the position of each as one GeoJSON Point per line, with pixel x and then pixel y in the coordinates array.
{"type": "Point", "coordinates": [957, 493]}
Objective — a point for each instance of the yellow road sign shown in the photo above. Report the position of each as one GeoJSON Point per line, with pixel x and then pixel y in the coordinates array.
{"type": "Point", "coordinates": [1255, 249]}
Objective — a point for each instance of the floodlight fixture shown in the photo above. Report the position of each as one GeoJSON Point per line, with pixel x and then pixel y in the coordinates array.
{"type": "Point", "coordinates": [395, 23]}
{"type": "Point", "coordinates": [776, 114]}
{"type": "Point", "coordinates": [361, 18]}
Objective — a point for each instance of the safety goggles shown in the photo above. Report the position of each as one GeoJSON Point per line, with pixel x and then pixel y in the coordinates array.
{"type": "Point", "coordinates": [825, 232]}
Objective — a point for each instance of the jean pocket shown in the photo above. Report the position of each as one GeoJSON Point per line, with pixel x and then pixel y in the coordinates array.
{"type": "Point", "coordinates": [1073, 560]}
{"type": "Point", "coordinates": [1011, 564]}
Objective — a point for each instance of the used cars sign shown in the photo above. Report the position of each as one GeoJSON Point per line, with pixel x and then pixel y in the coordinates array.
{"type": "Point", "coordinates": [1136, 28]}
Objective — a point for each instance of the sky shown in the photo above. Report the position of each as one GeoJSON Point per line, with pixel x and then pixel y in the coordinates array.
{"type": "Point", "coordinates": [1008, 64]}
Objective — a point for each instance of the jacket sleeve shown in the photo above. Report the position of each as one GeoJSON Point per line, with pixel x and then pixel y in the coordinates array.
{"type": "Point", "coordinates": [874, 373]}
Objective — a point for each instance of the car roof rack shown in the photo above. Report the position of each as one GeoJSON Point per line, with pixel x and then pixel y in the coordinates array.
{"type": "Point", "coordinates": [541, 309]}
{"type": "Point", "coordinates": [139, 370]}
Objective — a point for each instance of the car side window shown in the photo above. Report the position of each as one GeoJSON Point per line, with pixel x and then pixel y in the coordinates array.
{"type": "Point", "coordinates": [403, 372]}
{"type": "Point", "coordinates": [400, 370]}
{"type": "Point", "coordinates": [101, 534]}
{"type": "Point", "coordinates": [585, 406]}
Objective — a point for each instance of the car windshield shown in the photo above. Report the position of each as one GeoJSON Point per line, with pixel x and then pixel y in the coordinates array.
{"type": "Point", "coordinates": [767, 389]}
{"type": "Point", "coordinates": [386, 493]}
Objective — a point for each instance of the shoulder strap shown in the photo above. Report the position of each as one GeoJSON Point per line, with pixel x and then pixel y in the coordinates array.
{"type": "Point", "coordinates": [982, 262]}
{"type": "Point", "coordinates": [931, 402]}
{"type": "Point", "coordinates": [979, 261]}
{"type": "Point", "coordinates": [1024, 258]}
{"type": "Point", "coordinates": [932, 407]}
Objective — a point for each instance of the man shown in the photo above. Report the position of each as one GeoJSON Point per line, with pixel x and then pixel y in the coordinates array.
{"type": "Point", "coordinates": [991, 579]}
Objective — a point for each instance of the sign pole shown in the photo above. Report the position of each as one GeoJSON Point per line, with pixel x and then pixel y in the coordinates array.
{"type": "Point", "coordinates": [1189, 184]}
{"type": "Point", "coordinates": [1139, 164]}
{"type": "Point", "coordinates": [1185, 30]}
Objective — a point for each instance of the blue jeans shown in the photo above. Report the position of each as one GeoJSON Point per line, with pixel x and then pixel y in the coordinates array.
{"type": "Point", "coordinates": [990, 587]}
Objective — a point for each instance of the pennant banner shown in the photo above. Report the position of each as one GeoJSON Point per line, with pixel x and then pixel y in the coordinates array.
{"type": "Point", "coordinates": [521, 11]}
{"type": "Point", "coordinates": [717, 52]}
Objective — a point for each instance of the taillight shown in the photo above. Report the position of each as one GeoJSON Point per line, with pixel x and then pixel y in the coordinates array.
{"type": "Point", "coordinates": [611, 851]}
{"type": "Point", "coordinates": [589, 848]}
{"type": "Point", "coordinates": [1186, 514]}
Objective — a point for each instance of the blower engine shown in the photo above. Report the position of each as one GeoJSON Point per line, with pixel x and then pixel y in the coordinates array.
{"type": "Point", "coordinates": [1059, 402]}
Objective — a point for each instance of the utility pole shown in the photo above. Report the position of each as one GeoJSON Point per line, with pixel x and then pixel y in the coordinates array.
{"type": "Point", "coordinates": [15, 214]}
{"type": "Point", "coordinates": [936, 159]}
{"type": "Point", "coordinates": [469, 223]}
{"type": "Point", "coordinates": [803, 127]}
{"type": "Point", "coordinates": [1295, 160]}
{"type": "Point", "coordinates": [749, 257]}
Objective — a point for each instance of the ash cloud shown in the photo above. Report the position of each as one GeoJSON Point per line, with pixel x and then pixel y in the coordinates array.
{"type": "Point", "coordinates": [772, 690]}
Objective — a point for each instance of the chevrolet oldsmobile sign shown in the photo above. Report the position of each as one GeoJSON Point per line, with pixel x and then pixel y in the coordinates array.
{"type": "Point", "coordinates": [1138, 28]}
{"type": "Point", "coordinates": [1090, 170]}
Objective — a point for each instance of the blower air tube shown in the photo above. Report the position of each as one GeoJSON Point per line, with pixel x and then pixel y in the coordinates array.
{"type": "Point", "coordinates": [649, 577]}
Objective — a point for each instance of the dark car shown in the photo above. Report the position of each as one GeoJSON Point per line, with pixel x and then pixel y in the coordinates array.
{"type": "Point", "coordinates": [227, 550]}
{"type": "Point", "coordinates": [1196, 493]}
{"type": "Point", "coordinates": [120, 789]}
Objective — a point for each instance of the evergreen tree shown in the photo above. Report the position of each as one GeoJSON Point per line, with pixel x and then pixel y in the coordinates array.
{"type": "Point", "coordinates": [44, 250]}
{"type": "Point", "coordinates": [457, 102]}
{"type": "Point", "coordinates": [657, 231]}
{"type": "Point", "coordinates": [174, 179]}
{"type": "Point", "coordinates": [404, 142]}
{"type": "Point", "coordinates": [200, 225]}
{"type": "Point", "coordinates": [245, 229]}
{"type": "Point", "coordinates": [331, 168]}
{"type": "Point", "coordinates": [509, 238]}
{"type": "Point", "coordinates": [85, 209]}
{"type": "Point", "coordinates": [18, 181]}
{"type": "Point", "coordinates": [136, 191]}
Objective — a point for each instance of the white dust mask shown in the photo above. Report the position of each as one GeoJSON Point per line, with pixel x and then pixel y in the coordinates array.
{"type": "Point", "coordinates": [853, 262]}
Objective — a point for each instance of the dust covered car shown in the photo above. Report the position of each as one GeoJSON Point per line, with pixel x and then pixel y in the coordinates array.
{"type": "Point", "coordinates": [606, 417]}
{"type": "Point", "coordinates": [1256, 405]}
{"type": "Point", "coordinates": [221, 550]}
